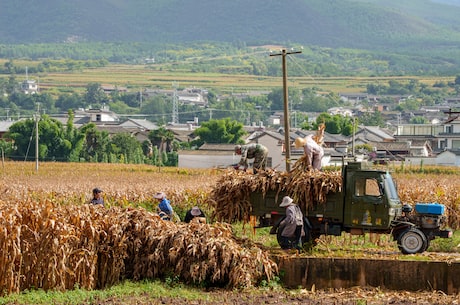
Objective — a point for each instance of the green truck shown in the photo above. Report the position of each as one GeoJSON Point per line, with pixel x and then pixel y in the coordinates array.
{"type": "Point", "coordinates": [368, 202]}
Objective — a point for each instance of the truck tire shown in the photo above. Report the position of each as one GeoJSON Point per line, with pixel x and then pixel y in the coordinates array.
{"type": "Point", "coordinates": [412, 241]}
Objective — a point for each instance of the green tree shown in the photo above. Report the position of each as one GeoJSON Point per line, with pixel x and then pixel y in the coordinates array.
{"type": "Point", "coordinates": [220, 131]}
{"type": "Point", "coordinates": [95, 95]}
{"type": "Point", "coordinates": [457, 80]}
{"type": "Point", "coordinates": [52, 144]}
{"type": "Point", "coordinates": [419, 120]}
{"type": "Point", "coordinates": [126, 146]}
{"type": "Point", "coordinates": [335, 124]}
{"type": "Point", "coordinates": [75, 137]}
{"type": "Point", "coordinates": [372, 119]}
{"type": "Point", "coordinates": [95, 146]}
{"type": "Point", "coordinates": [162, 138]}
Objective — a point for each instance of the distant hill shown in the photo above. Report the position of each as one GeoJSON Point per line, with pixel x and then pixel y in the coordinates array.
{"type": "Point", "coordinates": [361, 24]}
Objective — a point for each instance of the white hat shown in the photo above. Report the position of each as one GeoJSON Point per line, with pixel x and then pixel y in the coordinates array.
{"type": "Point", "coordinates": [299, 142]}
{"type": "Point", "coordinates": [286, 201]}
{"type": "Point", "coordinates": [159, 195]}
{"type": "Point", "coordinates": [195, 211]}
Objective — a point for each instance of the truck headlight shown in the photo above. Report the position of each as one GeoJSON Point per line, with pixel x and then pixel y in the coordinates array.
{"type": "Point", "coordinates": [392, 211]}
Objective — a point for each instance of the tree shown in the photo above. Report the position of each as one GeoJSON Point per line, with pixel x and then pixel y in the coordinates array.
{"type": "Point", "coordinates": [75, 138]}
{"type": "Point", "coordinates": [457, 80]}
{"type": "Point", "coordinates": [220, 131]}
{"type": "Point", "coordinates": [52, 144]}
{"type": "Point", "coordinates": [126, 146]}
{"type": "Point", "coordinates": [372, 119]}
{"type": "Point", "coordinates": [335, 124]}
{"type": "Point", "coordinates": [95, 95]}
{"type": "Point", "coordinates": [95, 146]}
{"type": "Point", "coordinates": [162, 138]}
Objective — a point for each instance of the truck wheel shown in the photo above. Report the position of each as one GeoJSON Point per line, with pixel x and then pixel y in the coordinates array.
{"type": "Point", "coordinates": [412, 241]}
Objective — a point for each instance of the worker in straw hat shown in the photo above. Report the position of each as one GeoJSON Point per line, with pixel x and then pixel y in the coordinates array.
{"type": "Point", "coordinates": [313, 151]}
{"type": "Point", "coordinates": [292, 225]}
{"type": "Point", "coordinates": [164, 208]}
{"type": "Point", "coordinates": [255, 151]}
{"type": "Point", "coordinates": [195, 214]}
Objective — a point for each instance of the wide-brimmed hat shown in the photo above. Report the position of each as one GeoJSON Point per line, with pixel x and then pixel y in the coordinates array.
{"type": "Point", "coordinates": [159, 195]}
{"type": "Point", "coordinates": [195, 211]}
{"type": "Point", "coordinates": [300, 142]}
{"type": "Point", "coordinates": [286, 201]}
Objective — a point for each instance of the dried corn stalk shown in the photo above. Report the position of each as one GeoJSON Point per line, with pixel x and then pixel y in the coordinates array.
{"type": "Point", "coordinates": [230, 197]}
{"type": "Point", "coordinates": [52, 246]}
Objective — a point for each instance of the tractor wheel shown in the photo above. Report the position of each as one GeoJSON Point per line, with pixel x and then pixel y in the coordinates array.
{"type": "Point", "coordinates": [412, 241]}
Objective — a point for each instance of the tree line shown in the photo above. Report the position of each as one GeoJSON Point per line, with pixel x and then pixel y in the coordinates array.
{"type": "Point", "coordinates": [57, 142]}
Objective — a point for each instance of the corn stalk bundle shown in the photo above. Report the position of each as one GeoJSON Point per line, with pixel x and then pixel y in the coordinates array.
{"type": "Point", "coordinates": [51, 246]}
{"type": "Point", "coordinates": [230, 197]}
{"type": "Point", "coordinates": [198, 253]}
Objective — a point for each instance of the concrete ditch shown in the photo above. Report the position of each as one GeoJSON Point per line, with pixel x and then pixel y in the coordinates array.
{"type": "Point", "coordinates": [326, 273]}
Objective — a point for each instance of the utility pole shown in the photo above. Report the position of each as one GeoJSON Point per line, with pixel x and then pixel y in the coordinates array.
{"type": "Point", "coordinates": [175, 112]}
{"type": "Point", "coordinates": [287, 141]}
{"type": "Point", "coordinates": [37, 118]}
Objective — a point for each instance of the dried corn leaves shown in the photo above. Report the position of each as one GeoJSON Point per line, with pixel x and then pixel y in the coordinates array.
{"type": "Point", "coordinates": [51, 246]}
{"type": "Point", "coordinates": [230, 197]}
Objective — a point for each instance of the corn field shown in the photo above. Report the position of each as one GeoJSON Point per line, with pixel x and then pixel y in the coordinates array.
{"type": "Point", "coordinates": [50, 238]}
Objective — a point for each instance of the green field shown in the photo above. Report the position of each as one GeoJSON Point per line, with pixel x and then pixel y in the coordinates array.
{"type": "Point", "coordinates": [140, 77]}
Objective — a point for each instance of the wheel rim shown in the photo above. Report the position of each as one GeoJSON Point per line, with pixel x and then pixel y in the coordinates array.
{"type": "Point", "coordinates": [412, 241]}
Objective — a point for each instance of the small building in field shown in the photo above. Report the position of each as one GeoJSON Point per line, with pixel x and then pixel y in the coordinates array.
{"type": "Point", "coordinates": [209, 156]}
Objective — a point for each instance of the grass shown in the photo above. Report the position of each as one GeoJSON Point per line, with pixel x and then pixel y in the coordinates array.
{"type": "Point", "coordinates": [132, 290]}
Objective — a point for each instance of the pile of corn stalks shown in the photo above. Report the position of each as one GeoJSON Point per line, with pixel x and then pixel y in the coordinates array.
{"type": "Point", "coordinates": [51, 246]}
{"type": "Point", "coordinates": [230, 197]}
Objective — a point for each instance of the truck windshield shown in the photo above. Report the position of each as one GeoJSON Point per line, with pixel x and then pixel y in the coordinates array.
{"type": "Point", "coordinates": [390, 188]}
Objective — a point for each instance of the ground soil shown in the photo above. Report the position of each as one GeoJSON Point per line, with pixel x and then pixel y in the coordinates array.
{"type": "Point", "coordinates": [355, 296]}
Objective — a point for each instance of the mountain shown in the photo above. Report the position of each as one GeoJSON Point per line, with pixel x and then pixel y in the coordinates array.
{"type": "Point", "coordinates": [364, 24]}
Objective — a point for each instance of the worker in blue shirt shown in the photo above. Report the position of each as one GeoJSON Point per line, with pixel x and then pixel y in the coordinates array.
{"type": "Point", "coordinates": [164, 207]}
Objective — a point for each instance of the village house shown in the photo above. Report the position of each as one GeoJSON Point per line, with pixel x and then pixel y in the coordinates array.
{"type": "Point", "coordinates": [29, 86]}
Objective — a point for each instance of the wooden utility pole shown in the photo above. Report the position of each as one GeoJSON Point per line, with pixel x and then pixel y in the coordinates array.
{"type": "Point", "coordinates": [287, 140]}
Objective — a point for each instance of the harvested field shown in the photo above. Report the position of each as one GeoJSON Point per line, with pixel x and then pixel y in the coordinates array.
{"type": "Point", "coordinates": [58, 194]}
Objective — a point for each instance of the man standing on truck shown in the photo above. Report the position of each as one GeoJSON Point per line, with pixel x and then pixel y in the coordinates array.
{"type": "Point", "coordinates": [291, 225]}
{"type": "Point", "coordinates": [313, 151]}
{"type": "Point", "coordinates": [255, 151]}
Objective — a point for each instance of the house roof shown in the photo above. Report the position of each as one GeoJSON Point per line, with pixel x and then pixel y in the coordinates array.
{"type": "Point", "coordinates": [374, 134]}
{"type": "Point", "coordinates": [217, 147]}
{"type": "Point", "coordinates": [183, 135]}
{"type": "Point", "coordinates": [5, 125]}
{"type": "Point", "coordinates": [328, 137]}
{"type": "Point", "coordinates": [391, 146]}
{"type": "Point", "coordinates": [456, 152]}
{"type": "Point", "coordinates": [139, 123]}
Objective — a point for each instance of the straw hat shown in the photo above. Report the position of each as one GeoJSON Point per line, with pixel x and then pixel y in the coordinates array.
{"type": "Point", "coordinates": [286, 201]}
{"type": "Point", "coordinates": [159, 195]}
{"type": "Point", "coordinates": [300, 142]}
{"type": "Point", "coordinates": [195, 211]}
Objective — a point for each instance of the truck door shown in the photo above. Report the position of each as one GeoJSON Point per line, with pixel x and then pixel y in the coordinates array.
{"type": "Point", "coordinates": [366, 207]}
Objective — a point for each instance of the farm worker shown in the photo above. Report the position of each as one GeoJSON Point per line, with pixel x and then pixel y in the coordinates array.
{"type": "Point", "coordinates": [195, 214]}
{"type": "Point", "coordinates": [164, 208]}
{"type": "Point", "coordinates": [313, 151]}
{"type": "Point", "coordinates": [97, 197]}
{"type": "Point", "coordinates": [258, 152]}
{"type": "Point", "coordinates": [292, 225]}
